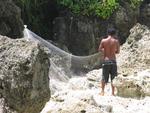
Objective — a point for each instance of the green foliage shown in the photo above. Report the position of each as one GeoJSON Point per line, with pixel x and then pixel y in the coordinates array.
{"type": "Point", "coordinates": [105, 9]}
{"type": "Point", "coordinates": [100, 8]}
{"type": "Point", "coordinates": [135, 3]}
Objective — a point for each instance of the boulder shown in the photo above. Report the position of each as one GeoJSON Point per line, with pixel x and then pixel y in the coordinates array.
{"type": "Point", "coordinates": [24, 82]}
{"type": "Point", "coordinates": [135, 86]}
{"type": "Point", "coordinates": [134, 62]}
{"type": "Point", "coordinates": [135, 53]}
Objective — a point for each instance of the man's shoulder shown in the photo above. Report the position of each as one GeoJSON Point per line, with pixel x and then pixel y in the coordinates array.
{"type": "Point", "coordinates": [104, 39]}
{"type": "Point", "coordinates": [116, 40]}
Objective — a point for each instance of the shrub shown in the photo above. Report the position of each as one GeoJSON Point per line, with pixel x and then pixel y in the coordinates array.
{"type": "Point", "coordinates": [135, 3]}
{"type": "Point", "coordinates": [100, 8]}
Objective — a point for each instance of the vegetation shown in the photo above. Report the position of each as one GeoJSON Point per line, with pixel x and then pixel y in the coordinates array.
{"type": "Point", "coordinates": [100, 8]}
{"type": "Point", "coordinates": [135, 3]}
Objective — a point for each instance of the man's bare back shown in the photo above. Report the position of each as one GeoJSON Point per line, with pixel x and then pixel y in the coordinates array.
{"type": "Point", "coordinates": [109, 46]}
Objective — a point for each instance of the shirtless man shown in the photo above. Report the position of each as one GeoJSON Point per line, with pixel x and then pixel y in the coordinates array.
{"type": "Point", "coordinates": [110, 47]}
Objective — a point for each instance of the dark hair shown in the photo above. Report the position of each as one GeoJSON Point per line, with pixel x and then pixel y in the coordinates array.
{"type": "Point", "coordinates": [111, 31]}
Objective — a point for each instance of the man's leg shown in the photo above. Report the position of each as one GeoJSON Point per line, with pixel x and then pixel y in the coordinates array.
{"type": "Point", "coordinates": [105, 77]}
{"type": "Point", "coordinates": [113, 89]}
{"type": "Point", "coordinates": [103, 87]}
{"type": "Point", "coordinates": [113, 75]}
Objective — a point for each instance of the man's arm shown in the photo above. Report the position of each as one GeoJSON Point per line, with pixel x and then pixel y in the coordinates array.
{"type": "Point", "coordinates": [118, 47]}
{"type": "Point", "coordinates": [101, 46]}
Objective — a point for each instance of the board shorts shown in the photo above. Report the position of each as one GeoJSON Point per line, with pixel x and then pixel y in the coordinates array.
{"type": "Point", "coordinates": [109, 67]}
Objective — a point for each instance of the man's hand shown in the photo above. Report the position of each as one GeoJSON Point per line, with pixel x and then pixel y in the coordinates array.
{"type": "Point", "coordinates": [118, 47]}
{"type": "Point", "coordinates": [101, 47]}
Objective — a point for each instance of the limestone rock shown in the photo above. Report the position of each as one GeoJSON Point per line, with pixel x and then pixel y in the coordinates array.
{"type": "Point", "coordinates": [134, 58]}
{"type": "Point", "coordinates": [135, 53]}
{"type": "Point", "coordinates": [4, 107]}
{"type": "Point", "coordinates": [78, 83]}
{"type": "Point", "coordinates": [78, 101]}
{"type": "Point", "coordinates": [94, 75]}
{"type": "Point", "coordinates": [87, 100]}
{"type": "Point", "coordinates": [134, 86]}
{"type": "Point", "coordinates": [24, 81]}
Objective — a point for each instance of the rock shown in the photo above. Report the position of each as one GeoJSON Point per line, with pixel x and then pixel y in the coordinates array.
{"type": "Point", "coordinates": [134, 58]}
{"type": "Point", "coordinates": [10, 19]}
{"type": "Point", "coordinates": [78, 101]}
{"type": "Point", "coordinates": [133, 86]}
{"type": "Point", "coordinates": [82, 34]}
{"type": "Point", "coordinates": [78, 83]}
{"type": "Point", "coordinates": [89, 101]}
{"type": "Point", "coordinates": [70, 30]}
{"type": "Point", "coordinates": [126, 87]}
{"type": "Point", "coordinates": [94, 78]}
{"type": "Point", "coordinates": [135, 53]}
{"type": "Point", "coordinates": [144, 17]}
{"type": "Point", "coordinates": [24, 81]}
{"type": "Point", "coordinates": [124, 19]}
{"type": "Point", "coordinates": [144, 76]}
{"type": "Point", "coordinates": [4, 107]}
{"type": "Point", "coordinates": [94, 75]}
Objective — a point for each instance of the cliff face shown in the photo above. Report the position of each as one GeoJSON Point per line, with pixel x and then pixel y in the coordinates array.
{"type": "Point", "coordinates": [77, 33]}
{"type": "Point", "coordinates": [24, 81]}
{"type": "Point", "coordinates": [10, 19]}
{"type": "Point", "coordinates": [82, 34]}
{"type": "Point", "coordinates": [144, 17]}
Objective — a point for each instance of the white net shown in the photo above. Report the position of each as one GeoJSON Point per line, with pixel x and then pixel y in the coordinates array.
{"type": "Point", "coordinates": [63, 64]}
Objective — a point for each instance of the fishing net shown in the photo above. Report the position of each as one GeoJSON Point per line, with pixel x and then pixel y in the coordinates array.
{"type": "Point", "coordinates": [64, 65]}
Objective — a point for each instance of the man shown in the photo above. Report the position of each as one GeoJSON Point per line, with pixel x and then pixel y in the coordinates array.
{"type": "Point", "coordinates": [110, 47]}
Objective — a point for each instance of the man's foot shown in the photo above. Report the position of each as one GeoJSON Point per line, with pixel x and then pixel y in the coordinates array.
{"type": "Point", "coordinates": [101, 94]}
{"type": "Point", "coordinates": [113, 95]}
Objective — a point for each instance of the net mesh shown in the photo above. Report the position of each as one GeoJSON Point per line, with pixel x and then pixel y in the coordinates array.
{"type": "Point", "coordinates": [64, 65]}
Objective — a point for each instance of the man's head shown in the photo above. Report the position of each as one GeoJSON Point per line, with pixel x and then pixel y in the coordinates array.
{"type": "Point", "coordinates": [111, 31]}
